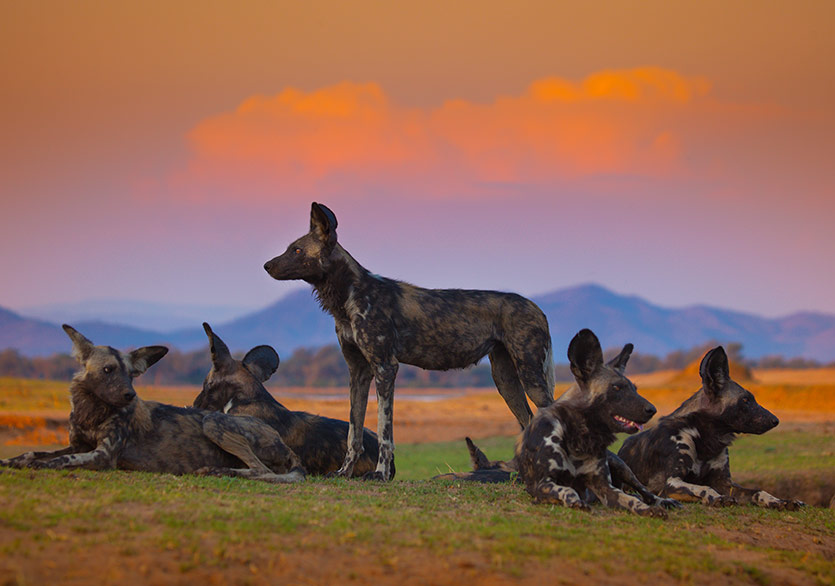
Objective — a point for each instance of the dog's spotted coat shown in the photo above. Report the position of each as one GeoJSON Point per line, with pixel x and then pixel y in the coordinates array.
{"type": "Point", "coordinates": [685, 456]}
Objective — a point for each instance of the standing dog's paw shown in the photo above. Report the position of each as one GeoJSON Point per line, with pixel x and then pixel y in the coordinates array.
{"type": "Point", "coordinates": [374, 475]}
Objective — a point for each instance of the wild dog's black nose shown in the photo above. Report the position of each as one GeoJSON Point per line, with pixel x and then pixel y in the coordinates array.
{"type": "Point", "coordinates": [650, 410]}
{"type": "Point", "coordinates": [268, 265]}
{"type": "Point", "coordinates": [129, 396]}
{"type": "Point", "coordinates": [774, 421]}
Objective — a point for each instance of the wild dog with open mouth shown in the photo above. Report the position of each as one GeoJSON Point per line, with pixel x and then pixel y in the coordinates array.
{"type": "Point", "coordinates": [563, 451]}
{"type": "Point", "coordinates": [562, 455]}
{"type": "Point", "coordinates": [236, 387]}
{"type": "Point", "coordinates": [381, 322]}
{"type": "Point", "coordinates": [494, 471]}
{"type": "Point", "coordinates": [685, 456]}
{"type": "Point", "coordinates": [111, 427]}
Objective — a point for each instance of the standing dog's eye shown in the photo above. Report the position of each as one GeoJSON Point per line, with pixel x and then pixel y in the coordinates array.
{"type": "Point", "coordinates": [297, 251]}
{"type": "Point", "coordinates": [108, 369]}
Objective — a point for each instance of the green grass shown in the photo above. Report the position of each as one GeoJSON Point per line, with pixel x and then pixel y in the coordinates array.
{"type": "Point", "coordinates": [774, 452]}
{"type": "Point", "coordinates": [208, 517]}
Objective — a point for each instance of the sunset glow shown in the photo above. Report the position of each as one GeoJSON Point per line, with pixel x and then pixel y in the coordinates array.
{"type": "Point", "coordinates": [518, 150]}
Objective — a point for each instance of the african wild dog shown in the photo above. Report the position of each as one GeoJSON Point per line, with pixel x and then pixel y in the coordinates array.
{"type": "Point", "coordinates": [486, 470]}
{"type": "Point", "coordinates": [381, 322]}
{"type": "Point", "coordinates": [563, 452]}
{"type": "Point", "coordinates": [685, 456]}
{"type": "Point", "coordinates": [236, 387]}
{"type": "Point", "coordinates": [562, 455]}
{"type": "Point", "coordinates": [110, 427]}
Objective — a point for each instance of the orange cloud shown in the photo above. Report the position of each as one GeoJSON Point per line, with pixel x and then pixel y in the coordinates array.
{"type": "Point", "coordinates": [350, 137]}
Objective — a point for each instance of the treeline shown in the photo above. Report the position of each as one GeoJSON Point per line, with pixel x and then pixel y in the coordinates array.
{"type": "Point", "coordinates": [325, 367]}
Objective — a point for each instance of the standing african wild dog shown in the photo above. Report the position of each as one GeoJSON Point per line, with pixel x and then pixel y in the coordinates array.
{"type": "Point", "coordinates": [685, 456]}
{"type": "Point", "coordinates": [110, 427]}
{"type": "Point", "coordinates": [381, 322]}
{"type": "Point", "coordinates": [236, 387]}
{"type": "Point", "coordinates": [563, 452]}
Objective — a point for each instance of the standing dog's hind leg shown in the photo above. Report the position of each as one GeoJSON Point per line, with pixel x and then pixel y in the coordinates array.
{"type": "Point", "coordinates": [386, 374]}
{"type": "Point", "coordinates": [534, 362]}
{"type": "Point", "coordinates": [509, 385]}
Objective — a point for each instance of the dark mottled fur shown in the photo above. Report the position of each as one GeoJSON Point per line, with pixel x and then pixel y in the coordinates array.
{"type": "Point", "coordinates": [110, 427]}
{"type": "Point", "coordinates": [685, 456]}
{"type": "Point", "coordinates": [236, 387]}
{"type": "Point", "coordinates": [381, 322]}
{"type": "Point", "coordinates": [563, 456]}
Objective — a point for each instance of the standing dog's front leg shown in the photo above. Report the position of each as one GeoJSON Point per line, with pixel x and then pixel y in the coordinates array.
{"type": "Point", "coordinates": [384, 379]}
{"type": "Point", "coordinates": [360, 372]}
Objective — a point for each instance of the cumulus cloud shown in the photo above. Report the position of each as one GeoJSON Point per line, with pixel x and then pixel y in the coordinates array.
{"type": "Point", "coordinates": [350, 138]}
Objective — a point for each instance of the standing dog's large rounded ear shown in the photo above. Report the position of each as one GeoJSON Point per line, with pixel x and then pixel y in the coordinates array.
{"type": "Point", "coordinates": [221, 356]}
{"type": "Point", "coordinates": [585, 355]}
{"type": "Point", "coordinates": [82, 348]}
{"type": "Point", "coordinates": [618, 363]}
{"type": "Point", "coordinates": [144, 358]}
{"type": "Point", "coordinates": [262, 362]}
{"type": "Point", "coordinates": [323, 223]}
{"type": "Point", "coordinates": [715, 371]}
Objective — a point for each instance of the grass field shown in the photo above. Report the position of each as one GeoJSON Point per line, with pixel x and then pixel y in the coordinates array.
{"type": "Point", "coordinates": [133, 528]}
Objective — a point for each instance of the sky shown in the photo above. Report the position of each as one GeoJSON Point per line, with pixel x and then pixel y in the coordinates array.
{"type": "Point", "coordinates": [680, 151]}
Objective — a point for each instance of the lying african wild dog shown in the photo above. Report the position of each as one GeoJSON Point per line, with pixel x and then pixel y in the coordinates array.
{"type": "Point", "coordinates": [236, 387]}
{"type": "Point", "coordinates": [381, 322]}
{"type": "Point", "coordinates": [685, 456]}
{"type": "Point", "coordinates": [562, 455]}
{"type": "Point", "coordinates": [110, 427]}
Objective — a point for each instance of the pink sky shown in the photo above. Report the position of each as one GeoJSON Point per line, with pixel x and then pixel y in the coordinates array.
{"type": "Point", "coordinates": [681, 153]}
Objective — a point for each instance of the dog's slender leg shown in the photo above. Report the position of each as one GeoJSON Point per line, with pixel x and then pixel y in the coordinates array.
{"type": "Point", "coordinates": [763, 499]}
{"type": "Point", "coordinates": [534, 365]}
{"type": "Point", "coordinates": [384, 379]}
{"type": "Point", "coordinates": [25, 460]}
{"type": "Point", "coordinates": [684, 491]}
{"type": "Point", "coordinates": [256, 444]}
{"type": "Point", "coordinates": [600, 485]}
{"type": "Point", "coordinates": [622, 475]}
{"type": "Point", "coordinates": [509, 385]}
{"type": "Point", "coordinates": [361, 375]}
{"type": "Point", "coordinates": [721, 481]}
{"type": "Point", "coordinates": [547, 491]}
{"type": "Point", "coordinates": [101, 458]}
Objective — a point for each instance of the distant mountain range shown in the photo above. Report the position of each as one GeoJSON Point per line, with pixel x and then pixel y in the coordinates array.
{"type": "Point", "coordinates": [159, 317]}
{"type": "Point", "coordinates": [296, 320]}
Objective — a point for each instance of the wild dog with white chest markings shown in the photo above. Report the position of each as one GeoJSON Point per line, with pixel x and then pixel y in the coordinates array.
{"type": "Point", "coordinates": [111, 427]}
{"type": "Point", "coordinates": [381, 322]}
{"type": "Point", "coordinates": [236, 387]}
{"type": "Point", "coordinates": [685, 456]}
{"type": "Point", "coordinates": [562, 455]}
{"type": "Point", "coordinates": [563, 452]}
